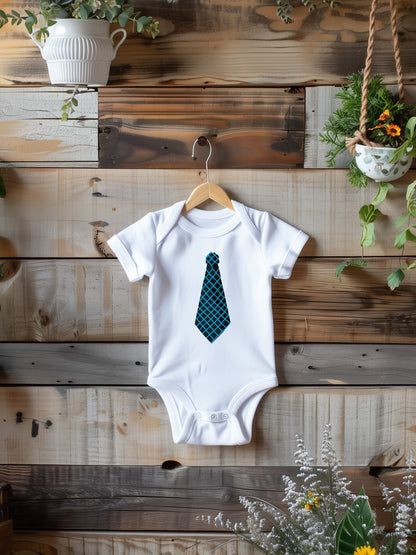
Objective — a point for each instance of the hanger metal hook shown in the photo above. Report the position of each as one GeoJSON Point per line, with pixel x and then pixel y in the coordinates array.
{"type": "Point", "coordinates": [203, 141]}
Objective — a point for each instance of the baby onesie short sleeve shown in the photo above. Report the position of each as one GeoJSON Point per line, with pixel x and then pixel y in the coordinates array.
{"type": "Point", "coordinates": [281, 245]}
{"type": "Point", "coordinates": [135, 248]}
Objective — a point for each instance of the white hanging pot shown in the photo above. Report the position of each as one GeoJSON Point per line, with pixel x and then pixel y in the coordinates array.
{"type": "Point", "coordinates": [374, 163]}
{"type": "Point", "coordinates": [79, 52]}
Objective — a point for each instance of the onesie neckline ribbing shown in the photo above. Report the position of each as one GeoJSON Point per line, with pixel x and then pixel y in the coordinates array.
{"type": "Point", "coordinates": [194, 221]}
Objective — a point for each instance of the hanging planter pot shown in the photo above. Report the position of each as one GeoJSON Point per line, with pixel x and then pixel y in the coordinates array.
{"type": "Point", "coordinates": [79, 52]}
{"type": "Point", "coordinates": [375, 163]}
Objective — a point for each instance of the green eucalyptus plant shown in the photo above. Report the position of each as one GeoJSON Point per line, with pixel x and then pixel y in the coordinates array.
{"type": "Point", "coordinates": [114, 11]}
{"type": "Point", "coordinates": [285, 7]}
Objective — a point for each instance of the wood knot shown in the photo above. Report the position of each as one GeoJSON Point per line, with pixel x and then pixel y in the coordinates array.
{"type": "Point", "coordinates": [9, 269]}
{"type": "Point", "coordinates": [43, 318]}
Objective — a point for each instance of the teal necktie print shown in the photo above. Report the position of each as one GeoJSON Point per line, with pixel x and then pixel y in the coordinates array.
{"type": "Point", "coordinates": [212, 316]}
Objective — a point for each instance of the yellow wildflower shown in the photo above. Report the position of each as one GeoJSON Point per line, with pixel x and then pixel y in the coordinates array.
{"type": "Point", "coordinates": [366, 550]}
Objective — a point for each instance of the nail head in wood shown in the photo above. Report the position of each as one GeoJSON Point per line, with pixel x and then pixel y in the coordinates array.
{"type": "Point", "coordinates": [202, 141]}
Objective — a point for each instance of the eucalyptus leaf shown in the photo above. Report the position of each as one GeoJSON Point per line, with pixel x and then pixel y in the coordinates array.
{"type": "Point", "coordinates": [395, 278]}
{"type": "Point", "coordinates": [125, 15]}
{"type": "Point", "coordinates": [83, 11]}
{"type": "Point", "coordinates": [383, 189]}
{"type": "Point", "coordinates": [346, 263]}
{"type": "Point", "coordinates": [369, 213]}
{"type": "Point", "coordinates": [402, 220]}
{"type": "Point", "coordinates": [400, 239]}
{"type": "Point", "coordinates": [410, 236]}
{"type": "Point", "coordinates": [410, 190]}
{"type": "Point", "coordinates": [368, 236]}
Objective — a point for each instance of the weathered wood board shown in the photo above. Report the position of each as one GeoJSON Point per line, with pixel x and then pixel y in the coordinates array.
{"type": "Point", "coordinates": [252, 128]}
{"type": "Point", "coordinates": [45, 103]}
{"type": "Point", "coordinates": [130, 426]}
{"type": "Point", "coordinates": [72, 212]}
{"type": "Point", "coordinates": [92, 300]}
{"type": "Point", "coordinates": [155, 498]}
{"type": "Point", "coordinates": [127, 364]}
{"type": "Point", "coordinates": [129, 543]}
{"type": "Point", "coordinates": [31, 121]}
{"type": "Point", "coordinates": [6, 538]}
{"type": "Point", "coordinates": [235, 43]}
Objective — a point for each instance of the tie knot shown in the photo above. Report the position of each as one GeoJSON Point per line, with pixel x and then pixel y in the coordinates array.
{"type": "Point", "coordinates": [212, 259]}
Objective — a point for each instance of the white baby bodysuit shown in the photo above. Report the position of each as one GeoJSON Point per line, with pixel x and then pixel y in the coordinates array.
{"type": "Point", "coordinates": [211, 340]}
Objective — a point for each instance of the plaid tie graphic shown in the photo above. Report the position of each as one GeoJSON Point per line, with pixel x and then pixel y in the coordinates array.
{"type": "Point", "coordinates": [212, 315]}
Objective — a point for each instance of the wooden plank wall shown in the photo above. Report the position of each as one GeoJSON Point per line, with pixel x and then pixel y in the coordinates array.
{"type": "Point", "coordinates": [84, 443]}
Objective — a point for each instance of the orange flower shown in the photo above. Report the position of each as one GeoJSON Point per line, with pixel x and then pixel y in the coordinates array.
{"type": "Point", "coordinates": [384, 115]}
{"type": "Point", "coordinates": [308, 506]}
{"type": "Point", "coordinates": [393, 130]}
{"type": "Point", "coordinates": [376, 127]}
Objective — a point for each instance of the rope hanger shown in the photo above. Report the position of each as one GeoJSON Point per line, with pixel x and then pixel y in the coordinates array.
{"type": "Point", "coordinates": [360, 136]}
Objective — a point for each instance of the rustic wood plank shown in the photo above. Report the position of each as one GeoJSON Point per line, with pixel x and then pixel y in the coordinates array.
{"type": "Point", "coordinates": [75, 363]}
{"type": "Point", "coordinates": [6, 538]}
{"type": "Point", "coordinates": [71, 212]}
{"type": "Point", "coordinates": [127, 364]}
{"type": "Point", "coordinates": [36, 103]}
{"type": "Point", "coordinates": [155, 128]}
{"type": "Point", "coordinates": [49, 140]}
{"type": "Point", "coordinates": [92, 300]}
{"type": "Point", "coordinates": [236, 43]}
{"type": "Point", "coordinates": [154, 498]}
{"type": "Point", "coordinates": [320, 103]}
{"type": "Point", "coordinates": [35, 133]}
{"type": "Point", "coordinates": [129, 426]}
{"type": "Point", "coordinates": [130, 543]}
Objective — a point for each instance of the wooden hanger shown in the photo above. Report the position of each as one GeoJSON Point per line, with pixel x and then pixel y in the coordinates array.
{"type": "Point", "coordinates": [206, 190]}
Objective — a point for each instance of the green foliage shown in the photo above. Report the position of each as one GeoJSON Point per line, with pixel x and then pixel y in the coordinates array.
{"type": "Point", "coordinates": [360, 263]}
{"type": "Point", "coordinates": [368, 215]}
{"type": "Point", "coordinates": [409, 145]}
{"type": "Point", "coordinates": [346, 120]}
{"type": "Point", "coordinates": [112, 11]}
{"type": "Point", "coordinates": [395, 278]}
{"type": "Point", "coordinates": [285, 7]}
{"type": "Point", "coordinates": [404, 236]}
{"type": "Point", "coordinates": [356, 527]}
{"type": "Point", "coordinates": [70, 103]}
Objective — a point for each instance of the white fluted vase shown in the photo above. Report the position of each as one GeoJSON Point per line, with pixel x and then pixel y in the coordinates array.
{"type": "Point", "coordinates": [79, 52]}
